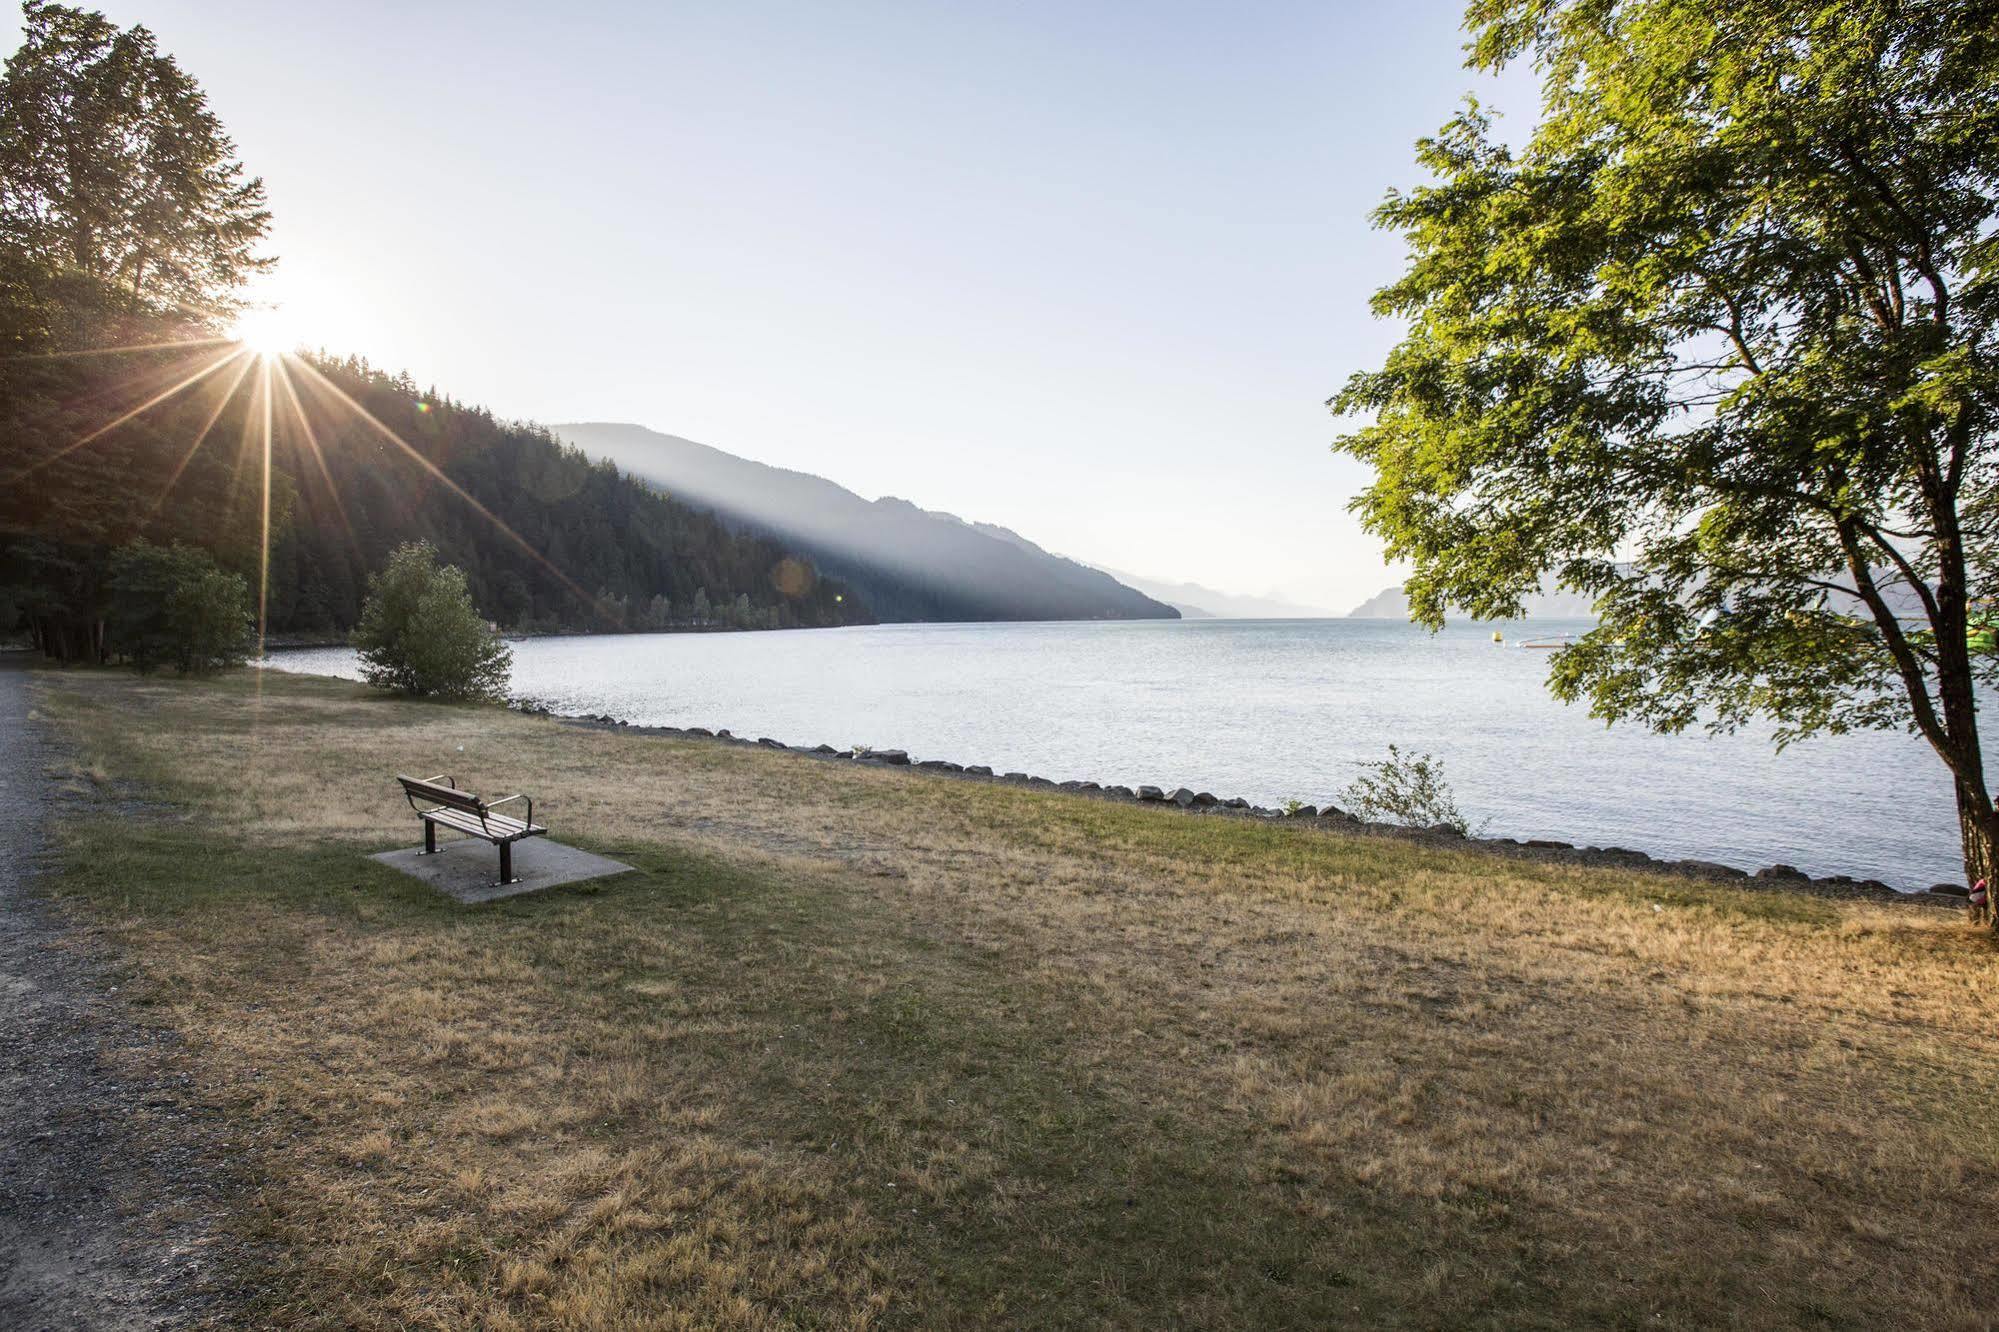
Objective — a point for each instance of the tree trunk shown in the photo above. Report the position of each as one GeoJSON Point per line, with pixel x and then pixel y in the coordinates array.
{"type": "Point", "coordinates": [1978, 828]}
{"type": "Point", "coordinates": [1979, 831]}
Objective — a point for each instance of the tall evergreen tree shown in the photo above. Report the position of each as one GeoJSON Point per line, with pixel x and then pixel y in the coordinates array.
{"type": "Point", "coordinates": [115, 178]}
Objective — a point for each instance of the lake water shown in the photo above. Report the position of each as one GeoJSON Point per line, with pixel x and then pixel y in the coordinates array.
{"type": "Point", "coordinates": [1272, 710]}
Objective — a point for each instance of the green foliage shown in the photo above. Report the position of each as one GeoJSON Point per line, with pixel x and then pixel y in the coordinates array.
{"type": "Point", "coordinates": [1406, 789]}
{"type": "Point", "coordinates": [122, 189]}
{"type": "Point", "coordinates": [1719, 346]}
{"type": "Point", "coordinates": [171, 605]}
{"type": "Point", "coordinates": [419, 633]}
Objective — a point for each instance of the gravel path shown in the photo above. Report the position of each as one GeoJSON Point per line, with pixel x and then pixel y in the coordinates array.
{"type": "Point", "coordinates": [107, 1195]}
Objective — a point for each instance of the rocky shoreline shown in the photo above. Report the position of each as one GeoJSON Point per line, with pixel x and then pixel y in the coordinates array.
{"type": "Point", "coordinates": [1779, 877]}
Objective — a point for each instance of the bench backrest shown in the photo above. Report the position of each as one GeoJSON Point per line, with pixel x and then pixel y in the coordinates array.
{"type": "Point", "coordinates": [449, 796]}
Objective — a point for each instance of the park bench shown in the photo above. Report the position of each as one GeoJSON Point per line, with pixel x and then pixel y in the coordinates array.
{"type": "Point", "coordinates": [467, 813]}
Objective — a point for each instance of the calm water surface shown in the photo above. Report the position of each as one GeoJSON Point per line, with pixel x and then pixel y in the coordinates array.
{"type": "Point", "coordinates": [1273, 710]}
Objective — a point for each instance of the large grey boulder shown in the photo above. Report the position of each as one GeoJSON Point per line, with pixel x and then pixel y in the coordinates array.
{"type": "Point", "coordinates": [896, 757]}
{"type": "Point", "coordinates": [1183, 797]}
{"type": "Point", "coordinates": [1150, 793]}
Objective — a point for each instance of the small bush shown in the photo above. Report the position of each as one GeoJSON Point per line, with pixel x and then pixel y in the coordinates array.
{"type": "Point", "coordinates": [171, 605]}
{"type": "Point", "coordinates": [1405, 789]}
{"type": "Point", "coordinates": [420, 634]}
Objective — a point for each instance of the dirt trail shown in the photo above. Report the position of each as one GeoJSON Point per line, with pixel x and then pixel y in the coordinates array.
{"type": "Point", "coordinates": [105, 1198]}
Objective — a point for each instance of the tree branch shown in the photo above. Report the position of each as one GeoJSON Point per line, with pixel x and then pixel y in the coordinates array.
{"type": "Point", "coordinates": [1914, 683]}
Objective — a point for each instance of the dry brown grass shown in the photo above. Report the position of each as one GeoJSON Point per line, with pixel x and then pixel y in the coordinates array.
{"type": "Point", "coordinates": [866, 1047]}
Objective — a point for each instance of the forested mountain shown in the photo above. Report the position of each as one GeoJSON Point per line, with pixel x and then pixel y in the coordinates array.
{"type": "Point", "coordinates": [908, 563]}
{"type": "Point", "coordinates": [362, 462]}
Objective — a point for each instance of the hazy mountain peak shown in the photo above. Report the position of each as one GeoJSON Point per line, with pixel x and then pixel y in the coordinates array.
{"type": "Point", "coordinates": [907, 562]}
{"type": "Point", "coordinates": [1551, 603]}
{"type": "Point", "coordinates": [1195, 601]}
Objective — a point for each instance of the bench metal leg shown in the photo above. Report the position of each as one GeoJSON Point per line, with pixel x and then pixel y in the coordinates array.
{"type": "Point", "coordinates": [507, 863]}
{"type": "Point", "coordinates": [429, 838]}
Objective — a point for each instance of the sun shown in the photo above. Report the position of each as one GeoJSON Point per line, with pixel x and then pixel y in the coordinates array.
{"type": "Point", "coordinates": [265, 330]}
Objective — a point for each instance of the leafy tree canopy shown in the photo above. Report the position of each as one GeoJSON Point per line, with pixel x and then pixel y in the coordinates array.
{"type": "Point", "coordinates": [1716, 346]}
{"type": "Point", "coordinates": [119, 189]}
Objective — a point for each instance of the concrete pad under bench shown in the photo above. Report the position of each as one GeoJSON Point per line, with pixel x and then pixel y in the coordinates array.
{"type": "Point", "coordinates": [468, 871]}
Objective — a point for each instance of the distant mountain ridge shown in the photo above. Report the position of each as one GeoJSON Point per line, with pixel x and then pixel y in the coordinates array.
{"type": "Point", "coordinates": [1548, 604]}
{"type": "Point", "coordinates": [908, 563]}
{"type": "Point", "coordinates": [1554, 604]}
{"type": "Point", "coordinates": [1195, 601]}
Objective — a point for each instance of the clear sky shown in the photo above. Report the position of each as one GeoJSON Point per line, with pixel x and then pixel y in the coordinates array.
{"type": "Point", "coordinates": [1089, 270]}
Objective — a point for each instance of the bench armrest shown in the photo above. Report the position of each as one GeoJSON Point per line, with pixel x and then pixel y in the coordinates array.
{"type": "Point", "coordinates": [495, 804]}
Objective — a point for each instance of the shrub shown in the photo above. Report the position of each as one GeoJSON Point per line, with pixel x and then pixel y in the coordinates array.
{"type": "Point", "coordinates": [1405, 789]}
{"type": "Point", "coordinates": [420, 634]}
{"type": "Point", "coordinates": [173, 605]}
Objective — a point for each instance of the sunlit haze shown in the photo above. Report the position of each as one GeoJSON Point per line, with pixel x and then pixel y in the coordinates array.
{"type": "Point", "coordinates": [1086, 271]}
{"type": "Point", "coordinates": [271, 331]}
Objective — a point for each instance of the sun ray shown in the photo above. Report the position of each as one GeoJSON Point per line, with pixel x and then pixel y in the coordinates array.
{"type": "Point", "coordinates": [264, 561]}
{"type": "Point", "coordinates": [180, 344]}
{"type": "Point", "coordinates": [105, 396]}
{"type": "Point", "coordinates": [456, 489]}
{"type": "Point", "coordinates": [246, 446]}
{"type": "Point", "coordinates": [188, 382]}
{"type": "Point", "coordinates": [312, 443]}
{"type": "Point", "coordinates": [221, 404]}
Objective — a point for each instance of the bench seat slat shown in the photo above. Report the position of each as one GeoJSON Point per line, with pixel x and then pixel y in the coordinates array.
{"type": "Point", "coordinates": [494, 827]}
